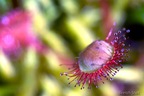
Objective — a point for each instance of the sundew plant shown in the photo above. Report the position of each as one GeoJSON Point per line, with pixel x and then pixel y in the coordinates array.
{"type": "Point", "coordinates": [58, 47]}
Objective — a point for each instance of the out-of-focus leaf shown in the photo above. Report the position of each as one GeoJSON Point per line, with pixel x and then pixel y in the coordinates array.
{"type": "Point", "coordinates": [90, 16]}
{"type": "Point", "coordinates": [50, 37]}
{"type": "Point", "coordinates": [118, 10]}
{"type": "Point", "coordinates": [77, 92]}
{"type": "Point", "coordinates": [69, 6]}
{"type": "Point", "coordinates": [55, 42]}
{"type": "Point", "coordinates": [6, 68]}
{"type": "Point", "coordinates": [49, 10]}
{"type": "Point", "coordinates": [138, 14]}
{"type": "Point", "coordinates": [29, 68]}
{"type": "Point", "coordinates": [5, 5]}
{"type": "Point", "coordinates": [38, 18]}
{"type": "Point", "coordinates": [53, 61]}
{"type": "Point", "coordinates": [80, 33]}
{"type": "Point", "coordinates": [50, 86]}
{"type": "Point", "coordinates": [130, 74]}
{"type": "Point", "coordinates": [7, 90]}
{"type": "Point", "coordinates": [108, 89]}
{"type": "Point", "coordinates": [141, 87]}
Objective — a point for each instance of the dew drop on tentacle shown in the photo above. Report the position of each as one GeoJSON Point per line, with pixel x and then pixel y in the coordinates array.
{"type": "Point", "coordinates": [119, 36]}
{"type": "Point", "coordinates": [128, 31]}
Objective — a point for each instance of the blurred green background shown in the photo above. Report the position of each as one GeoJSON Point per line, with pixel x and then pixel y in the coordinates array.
{"type": "Point", "coordinates": [63, 28]}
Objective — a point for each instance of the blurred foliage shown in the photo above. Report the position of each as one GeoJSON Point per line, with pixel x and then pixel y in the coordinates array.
{"type": "Point", "coordinates": [65, 28]}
